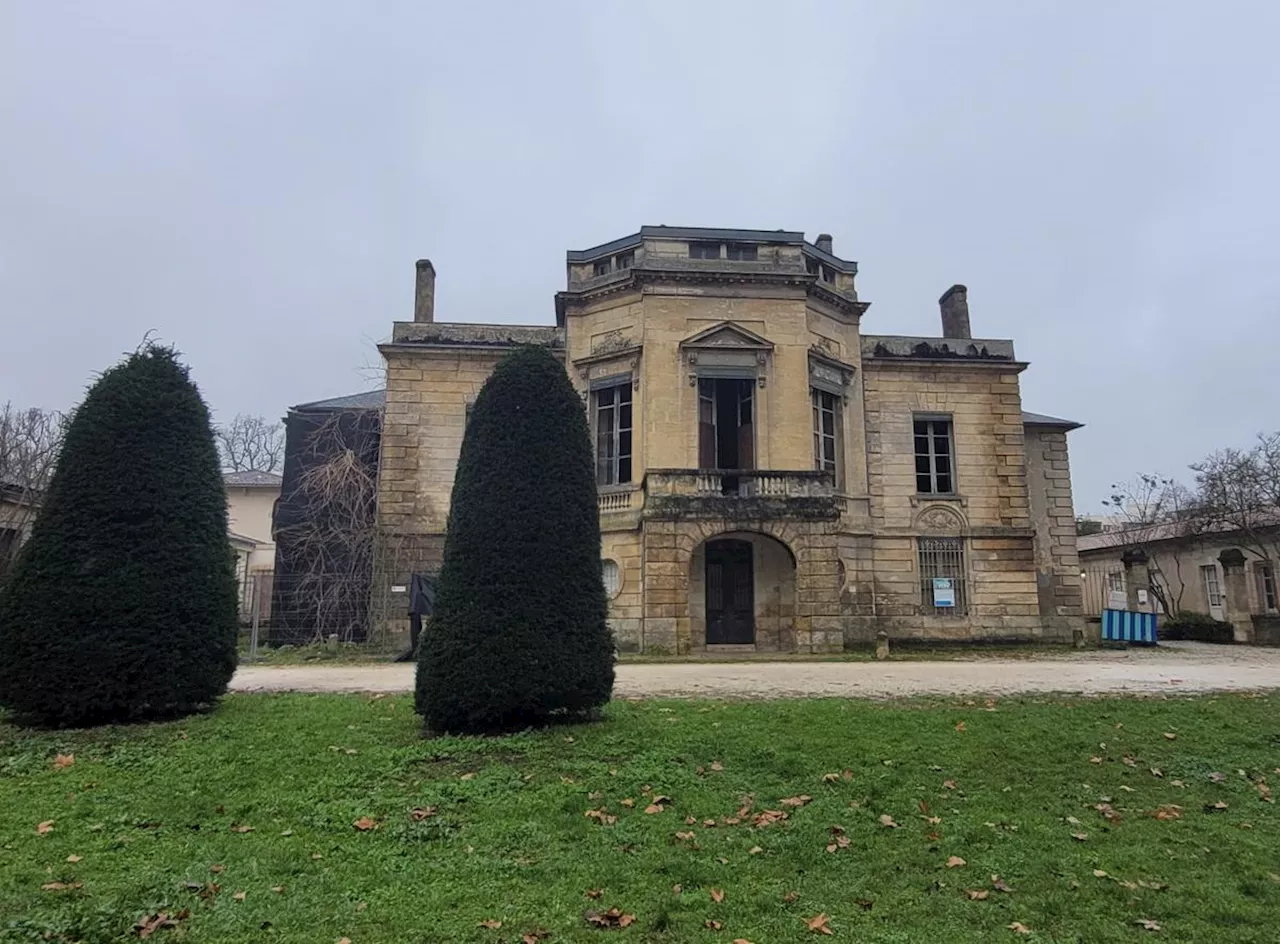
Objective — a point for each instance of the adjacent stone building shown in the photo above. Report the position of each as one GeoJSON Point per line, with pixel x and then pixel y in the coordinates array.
{"type": "Point", "coordinates": [770, 477]}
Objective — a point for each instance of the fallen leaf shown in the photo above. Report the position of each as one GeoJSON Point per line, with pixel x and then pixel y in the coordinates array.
{"type": "Point", "coordinates": [1147, 923]}
{"type": "Point", "coordinates": [818, 924]}
{"type": "Point", "coordinates": [1167, 812]}
{"type": "Point", "coordinates": [1073, 821]}
{"type": "Point", "coordinates": [716, 765]}
{"type": "Point", "coordinates": [1080, 837]}
{"type": "Point", "coordinates": [1095, 760]}
{"type": "Point", "coordinates": [690, 820]}
{"type": "Point", "coordinates": [239, 896]}
{"type": "Point", "coordinates": [731, 821]}
{"type": "Point", "coordinates": [1098, 873]}
{"type": "Point", "coordinates": [418, 814]}
{"type": "Point", "coordinates": [364, 824]}
{"type": "Point", "coordinates": [708, 823]}
{"type": "Point", "coordinates": [150, 924]}
{"type": "Point", "coordinates": [948, 784]}
{"type": "Point", "coordinates": [594, 892]}
{"type": "Point", "coordinates": [1170, 736]}
{"type": "Point", "coordinates": [344, 940]}
{"type": "Point", "coordinates": [316, 855]}
{"type": "Point", "coordinates": [677, 889]}
{"type": "Point", "coordinates": [1129, 761]}
{"type": "Point", "coordinates": [960, 727]}
{"type": "Point", "coordinates": [789, 897]}
{"type": "Point", "coordinates": [1019, 928]}
{"type": "Point", "coordinates": [933, 820]}
{"type": "Point", "coordinates": [61, 886]}
{"type": "Point", "coordinates": [1157, 772]}
{"type": "Point", "coordinates": [830, 778]}
{"type": "Point", "coordinates": [278, 889]}
{"type": "Point", "coordinates": [977, 894]}
{"type": "Point", "coordinates": [887, 821]}
{"type": "Point", "coordinates": [613, 918]}
{"type": "Point", "coordinates": [601, 817]}
{"type": "Point", "coordinates": [1000, 886]}
{"type": "Point", "coordinates": [1215, 807]}
{"type": "Point", "coordinates": [533, 937]}
{"type": "Point", "coordinates": [740, 940]}
{"type": "Point", "coordinates": [1217, 777]}
{"type": "Point", "coordinates": [717, 895]}
{"type": "Point", "coordinates": [241, 828]}
{"type": "Point", "coordinates": [467, 777]}
{"type": "Point", "coordinates": [796, 801]}
{"type": "Point", "coordinates": [754, 850]}
{"type": "Point", "coordinates": [712, 924]}
{"type": "Point", "coordinates": [628, 802]}
{"type": "Point", "coordinates": [955, 862]}
{"type": "Point", "coordinates": [63, 760]}
{"type": "Point", "coordinates": [74, 859]}
{"type": "Point", "coordinates": [685, 836]}
{"type": "Point", "coordinates": [45, 827]}
{"type": "Point", "coordinates": [491, 923]}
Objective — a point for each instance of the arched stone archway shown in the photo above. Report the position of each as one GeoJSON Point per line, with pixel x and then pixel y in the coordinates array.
{"type": "Point", "coordinates": [715, 598]}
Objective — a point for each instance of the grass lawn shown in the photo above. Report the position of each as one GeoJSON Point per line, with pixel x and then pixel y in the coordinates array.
{"type": "Point", "coordinates": [260, 799]}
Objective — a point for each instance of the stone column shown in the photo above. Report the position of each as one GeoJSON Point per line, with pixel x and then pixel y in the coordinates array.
{"type": "Point", "coordinates": [1235, 589]}
{"type": "Point", "coordinates": [1137, 576]}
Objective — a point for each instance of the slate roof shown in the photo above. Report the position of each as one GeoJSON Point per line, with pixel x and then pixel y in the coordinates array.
{"type": "Point", "coordinates": [365, 400]}
{"type": "Point", "coordinates": [252, 479]}
{"type": "Point", "coordinates": [1040, 419]}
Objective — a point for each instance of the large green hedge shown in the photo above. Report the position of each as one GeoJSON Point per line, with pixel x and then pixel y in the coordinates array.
{"type": "Point", "coordinates": [122, 605]}
{"type": "Point", "coordinates": [519, 634]}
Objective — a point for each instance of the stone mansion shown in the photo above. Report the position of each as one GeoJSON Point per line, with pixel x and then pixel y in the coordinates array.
{"type": "Point", "coordinates": [770, 477]}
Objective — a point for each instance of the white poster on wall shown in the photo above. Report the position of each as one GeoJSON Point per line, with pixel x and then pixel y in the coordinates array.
{"type": "Point", "coordinates": [944, 592]}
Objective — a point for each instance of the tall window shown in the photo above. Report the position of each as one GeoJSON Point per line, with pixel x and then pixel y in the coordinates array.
{"type": "Point", "coordinates": [1265, 573]}
{"type": "Point", "coordinates": [1212, 587]}
{"type": "Point", "coordinates": [826, 433]}
{"type": "Point", "coordinates": [934, 472]}
{"type": "Point", "coordinates": [613, 434]}
{"type": "Point", "coordinates": [943, 590]}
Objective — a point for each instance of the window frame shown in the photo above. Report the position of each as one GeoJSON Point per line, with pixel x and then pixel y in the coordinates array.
{"type": "Point", "coordinates": [1212, 587]}
{"type": "Point", "coordinates": [817, 396]}
{"type": "Point", "coordinates": [699, 247]}
{"type": "Point", "coordinates": [602, 267]}
{"type": "Point", "coordinates": [1264, 574]}
{"type": "Point", "coordinates": [617, 467]}
{"type": "Point", "coordinates": [742, 252]}
{"type": "Point", "coordinates": [930, 419]}
{"type": "Point", "coordinates": [625, 260]}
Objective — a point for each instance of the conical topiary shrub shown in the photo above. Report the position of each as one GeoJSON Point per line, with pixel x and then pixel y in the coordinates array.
{"type": "Point", "coordinates": [122, 605]}
{"type": "Point", "coordinates": [519, 632]}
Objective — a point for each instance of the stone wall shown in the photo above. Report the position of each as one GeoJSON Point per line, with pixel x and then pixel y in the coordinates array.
{"type": "Point", "coordinates": [1053, 516]}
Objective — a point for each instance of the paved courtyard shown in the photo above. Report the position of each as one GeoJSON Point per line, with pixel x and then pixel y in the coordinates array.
{"type": "Point", "coordinates": [1171, 668]}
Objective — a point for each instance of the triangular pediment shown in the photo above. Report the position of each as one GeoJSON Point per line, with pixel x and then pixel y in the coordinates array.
{"type": "Point", "coordinates": [727, 335]}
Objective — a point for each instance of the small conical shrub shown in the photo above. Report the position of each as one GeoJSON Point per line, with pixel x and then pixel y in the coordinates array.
{"type": "Point", "coordinates": [519, 633]}
{"type": "Point", "coordinates": [122, 605]}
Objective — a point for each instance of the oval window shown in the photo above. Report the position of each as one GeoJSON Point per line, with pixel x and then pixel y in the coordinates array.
{"type": "Point", "coordinates": [612, 577]}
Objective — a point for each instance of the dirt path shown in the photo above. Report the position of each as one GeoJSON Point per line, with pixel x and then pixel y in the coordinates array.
{"type": "Point", "coordinates": [1177, 667]}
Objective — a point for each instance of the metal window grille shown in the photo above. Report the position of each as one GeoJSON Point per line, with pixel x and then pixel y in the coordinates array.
{"type": "Point", "coordinates": [826, 425]}
{"type": "Point", "coordinates": [613, 434]}
{"type": "Point", "coordinates": [1115, 581]}
{"type": "Point", "coordinates": [612, 576]}
{"type": "Point", "coordinates": [934, 471]}
{"type": "Point", "coordinates": [943, 559]}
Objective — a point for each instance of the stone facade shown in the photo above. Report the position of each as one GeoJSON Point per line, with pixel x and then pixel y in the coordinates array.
{"type": "Point", "coordinates": [760, 458]}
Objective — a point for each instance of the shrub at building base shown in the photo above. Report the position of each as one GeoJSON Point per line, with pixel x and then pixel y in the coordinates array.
{"type": "Point", "coordinates": [122, 605]}
{"type": "Point", "coordinates": [1197, 627]}
{"type": "Point", "coordinates": [519, 633]}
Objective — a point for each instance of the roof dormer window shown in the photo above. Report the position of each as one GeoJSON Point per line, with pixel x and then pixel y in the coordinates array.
{"type": "Point", "coordinates": [741, 252]}
{"type": "Point", "coordinates": [704, 250]}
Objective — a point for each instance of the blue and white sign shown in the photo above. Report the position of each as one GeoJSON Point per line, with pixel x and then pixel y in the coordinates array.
{"type": "Point", "coordinates": [944, 592]}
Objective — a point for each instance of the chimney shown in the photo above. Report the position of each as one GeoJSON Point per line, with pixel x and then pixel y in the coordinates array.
{"type": "Point", "coordinates": [424, 292]}
{"type": "Point", "coordinates": [823, 242]}
{"type": "Point", "coordinates": [955, 312]}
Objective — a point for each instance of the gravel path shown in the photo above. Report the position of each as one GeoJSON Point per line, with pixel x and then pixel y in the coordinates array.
{"type": "Point", "coordinates": [1173, 667]}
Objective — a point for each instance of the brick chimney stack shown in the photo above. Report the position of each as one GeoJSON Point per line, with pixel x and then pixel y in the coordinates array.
{"type": "Point", "coordinates": [823, 242]}
{"type": "Point", "coordinates": [955, 312]}
{"type": "Point", "coordinates": [424, 292]}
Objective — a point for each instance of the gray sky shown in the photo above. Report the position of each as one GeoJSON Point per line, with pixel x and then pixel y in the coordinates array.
{"type": "Point", "coordinates": [253, 180]}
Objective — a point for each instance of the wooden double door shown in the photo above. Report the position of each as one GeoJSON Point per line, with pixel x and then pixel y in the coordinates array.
{"type": "Point", "coordinates": [730, 593]}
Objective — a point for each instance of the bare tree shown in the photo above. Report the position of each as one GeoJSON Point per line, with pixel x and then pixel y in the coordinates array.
{"type": "Point", "coordinates": [1240, 488]}
{"type": "Point", "coordinates": [330, 535]}
{"type": "Point", "coordinates": [250, 444]}
{"type": "Point", "coordinates": [30, 440]}
{"type": "Point", "coordinates": [1156, 508]}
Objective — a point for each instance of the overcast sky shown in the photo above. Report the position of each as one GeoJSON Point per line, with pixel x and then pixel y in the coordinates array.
{"type": "Point", "coordinates": [253, 180]}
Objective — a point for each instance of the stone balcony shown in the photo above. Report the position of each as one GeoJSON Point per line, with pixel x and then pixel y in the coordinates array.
{"type": "Point", "coordinates": [674, 494]}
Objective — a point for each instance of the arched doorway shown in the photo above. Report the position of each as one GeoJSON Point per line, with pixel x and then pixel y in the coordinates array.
{"type": "Point", "coordinates": [742, 592]}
